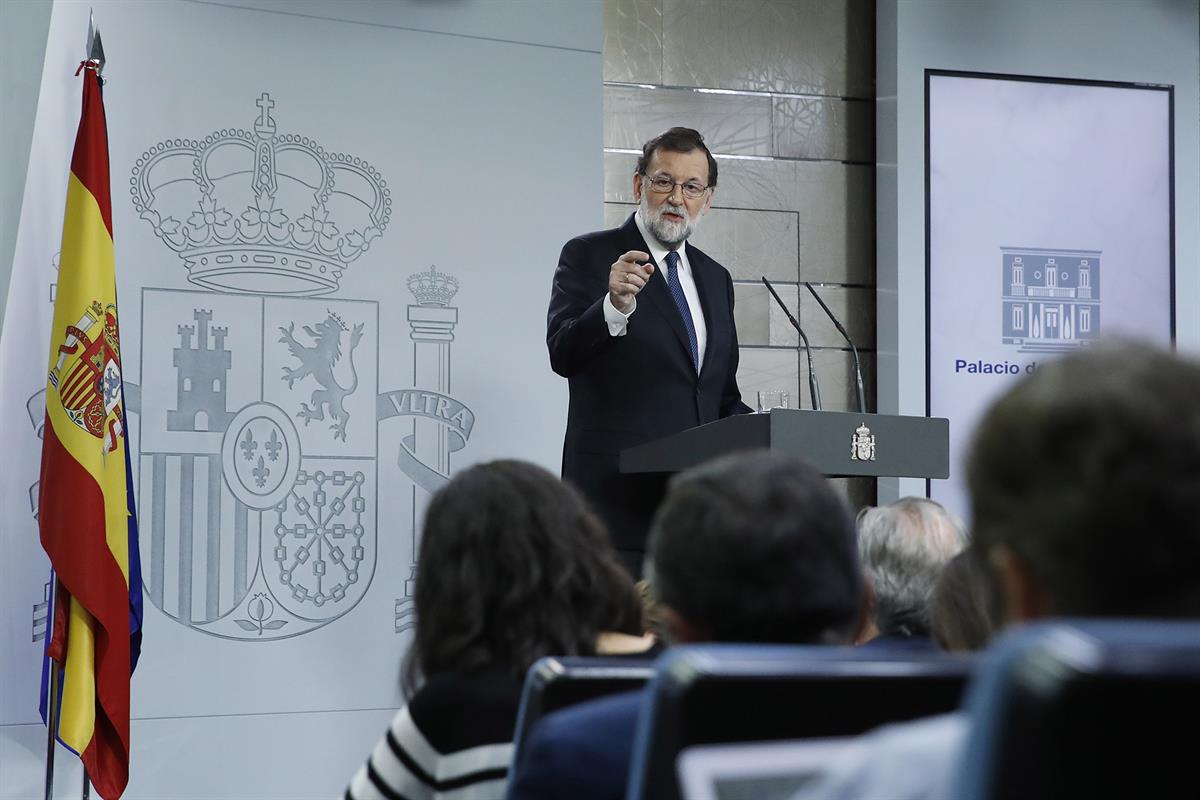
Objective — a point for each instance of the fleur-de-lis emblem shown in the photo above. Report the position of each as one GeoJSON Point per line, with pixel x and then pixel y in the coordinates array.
{"type": "Point", "coordinates": [248, 445]}
{"type": "Point", "coordinates": [260, 473]}
{"type": "Point", "coordinates": [273, 446]}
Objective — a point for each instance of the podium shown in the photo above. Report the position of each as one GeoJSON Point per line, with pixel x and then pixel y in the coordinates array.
{"type": "Point", "coordinates": [839, 443]}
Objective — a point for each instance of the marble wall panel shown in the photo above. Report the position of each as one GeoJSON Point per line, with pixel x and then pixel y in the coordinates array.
{"type": "Point", "coordinates": [823, 128]}
{"type": "Point", "coordinates": [837, 227]}
{"type": "Point", "coordinates": [734, 124]}
{"type": "Point", "coordinates": [616, 213]}
{"type": "Point", "coordinates": [748, 243]}
{"type": "Point", "coordinates": [822, 47]}
{"type": "Point", "coordinates": [762, 369]}
{"type": "Point", "coordinates": [835, 379]}
{"type": "Point", "coordinates": [782, 334]}
{"type": "Point", "coordinates": [760, 320]}
{"type": "Point", "coordinates": [633, 41]}
{"type": "Point", "coordinates": [854, 306]}
{"type": "Point", "coordinates": [751, 314]}
{"type": "Point", "coordinates": [618, 177]}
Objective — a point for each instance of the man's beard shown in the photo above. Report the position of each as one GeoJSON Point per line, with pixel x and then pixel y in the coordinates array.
{"type": "Point", "coordinates": [669, 233]}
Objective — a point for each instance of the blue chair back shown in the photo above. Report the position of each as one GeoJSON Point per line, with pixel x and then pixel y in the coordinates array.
{"type": "Point", "coordinates": [711, 694]}
{"type": "Point", "coordinates": [1086, 709]}
{"type": "Point", "coordinates": [553, 683]}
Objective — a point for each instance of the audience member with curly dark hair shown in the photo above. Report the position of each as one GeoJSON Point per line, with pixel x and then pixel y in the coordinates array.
{"type": "Point", "coordinates": [512, 567]}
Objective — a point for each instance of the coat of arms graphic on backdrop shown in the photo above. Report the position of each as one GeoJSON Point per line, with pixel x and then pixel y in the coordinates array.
{"type": "Point", "coordinates": [259, 403]}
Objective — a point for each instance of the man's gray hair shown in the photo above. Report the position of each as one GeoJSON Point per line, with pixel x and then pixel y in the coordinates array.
{"type": "Point", "coordinates": [904, 546]}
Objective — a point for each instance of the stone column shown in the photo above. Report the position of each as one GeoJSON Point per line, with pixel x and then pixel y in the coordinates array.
{"type": "Point", "coordinates": [431, 321]}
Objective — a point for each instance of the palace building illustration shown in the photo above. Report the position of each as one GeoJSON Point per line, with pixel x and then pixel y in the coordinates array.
{"type": "Point", "coordinates": [1050, 298]}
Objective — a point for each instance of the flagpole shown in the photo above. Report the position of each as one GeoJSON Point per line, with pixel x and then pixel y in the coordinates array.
{"type": "Point", "coordinates": [95, 50]}
{"type": "Point", "coordinates": [51, 700]}
{"type": "Point", "coordinates": [95, 55]}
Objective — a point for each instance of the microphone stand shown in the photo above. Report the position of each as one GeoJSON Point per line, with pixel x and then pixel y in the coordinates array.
{"type": "Point", "coordinates": [862, 403]}
{"type": "Point", "coordinates": [813, 391]}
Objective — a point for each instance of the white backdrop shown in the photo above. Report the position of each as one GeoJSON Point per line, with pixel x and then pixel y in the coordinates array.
{"type": "Point", "coordinates": [281, 181]}
{"type": "Point", "coordinates": [1050, 197]}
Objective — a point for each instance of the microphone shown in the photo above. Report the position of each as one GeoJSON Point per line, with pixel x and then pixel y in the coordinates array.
{"type": "Point", "coordinates": [862, 403]}
{"type": "Point", "coordinates": [813, 391]}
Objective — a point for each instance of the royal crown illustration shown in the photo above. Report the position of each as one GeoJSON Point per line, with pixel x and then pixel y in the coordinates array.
{"type": "Point", "coordinates": [256, 212]}
{"type": "Point", "coordinates": [433, 288]}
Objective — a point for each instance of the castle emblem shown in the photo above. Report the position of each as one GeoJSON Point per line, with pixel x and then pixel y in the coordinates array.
{"type": "Point", "coordinates": [862, 445]}
{"type": "Point", "coordinates": [87, 374]}
{"type": "Point", "coordinates": [1050, 298]}
{"type": "Point", "coordinates": [261, 211]}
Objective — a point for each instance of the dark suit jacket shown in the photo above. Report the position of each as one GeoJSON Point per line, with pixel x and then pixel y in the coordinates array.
{"type": "Point", "coordinates": [582, 752]}
{"type": "Point", "coordinates": [900, 644]}
{"type": "Point", "coordinates": [626, 390]}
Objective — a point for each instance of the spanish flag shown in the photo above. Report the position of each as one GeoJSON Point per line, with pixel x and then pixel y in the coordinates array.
{"type": "Point", "coordinates": [85, 509]}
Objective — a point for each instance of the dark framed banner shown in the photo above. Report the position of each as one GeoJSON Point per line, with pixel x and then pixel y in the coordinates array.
{"type": "Point", "coordinates": [1049, 224]}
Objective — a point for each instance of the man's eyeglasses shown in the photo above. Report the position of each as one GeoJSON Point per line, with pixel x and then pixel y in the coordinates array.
{"type": "Point", "coordinates": [661, 184]}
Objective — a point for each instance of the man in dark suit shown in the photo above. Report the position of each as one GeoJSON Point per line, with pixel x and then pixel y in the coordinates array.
{"type": "Point", "coordinates": [641, 324]}
{"type": "Point", "coordinates": [752, 547]}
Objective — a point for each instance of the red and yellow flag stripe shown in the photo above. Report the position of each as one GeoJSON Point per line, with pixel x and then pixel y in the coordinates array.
{"type": "Point", "coordinates": [84, 510]}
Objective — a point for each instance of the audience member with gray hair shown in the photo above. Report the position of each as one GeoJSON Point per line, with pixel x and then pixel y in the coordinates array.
{"type": "Point", "coordinates": [904, 546]}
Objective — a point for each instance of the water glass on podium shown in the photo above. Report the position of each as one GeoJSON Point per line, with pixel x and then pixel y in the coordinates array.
{"type": "Point", "coordinates": [771, 399]}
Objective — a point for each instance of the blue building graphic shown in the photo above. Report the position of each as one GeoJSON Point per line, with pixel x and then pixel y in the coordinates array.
{"type": "Point", "coordinates": [1051, 298]}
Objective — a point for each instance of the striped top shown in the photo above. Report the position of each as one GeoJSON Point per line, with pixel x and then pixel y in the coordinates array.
{"type": "Point", "coordinates": [453, 741]}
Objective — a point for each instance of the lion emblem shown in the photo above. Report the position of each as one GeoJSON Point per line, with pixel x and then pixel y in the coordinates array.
{"type": "Point", "coordinates": [319, 361]}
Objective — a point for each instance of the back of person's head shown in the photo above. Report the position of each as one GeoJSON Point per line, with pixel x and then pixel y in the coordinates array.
{"type": "Point", "coordinates": [756, 547]}
{"type": "Point", "coordinates": [962, 608]}
{"type": "Point", "coordinates": [512, 567]}
{"type": "Point", "coordinates": [1085, 486]}
{"type": "Point", "coordinates": [903, 547]}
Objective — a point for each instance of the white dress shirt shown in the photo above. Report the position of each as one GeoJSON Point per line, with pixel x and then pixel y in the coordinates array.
{"type": "Point", "coordinates": [617, 321]}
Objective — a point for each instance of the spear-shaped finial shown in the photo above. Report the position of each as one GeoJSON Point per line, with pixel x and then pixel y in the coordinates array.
{"type": "Point", "coordinates": [95, 48]}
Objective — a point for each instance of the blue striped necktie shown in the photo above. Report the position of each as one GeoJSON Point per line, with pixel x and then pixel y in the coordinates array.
{"type": "Point", "coordinates": [682, 304]}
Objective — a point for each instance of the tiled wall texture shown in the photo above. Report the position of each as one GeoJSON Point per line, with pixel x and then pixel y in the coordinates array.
{"type": "Point", "coordinates": [784, 93]}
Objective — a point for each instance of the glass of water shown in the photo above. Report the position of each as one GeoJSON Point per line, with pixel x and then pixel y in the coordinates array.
{"type": "Point", "coordinates": [772, 398]}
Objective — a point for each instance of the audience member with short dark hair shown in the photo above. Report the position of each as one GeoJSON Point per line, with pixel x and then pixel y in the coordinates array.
{"type": "Point", "coordinates": [1085, 486]}
{"type": "Point", "coordinates": [753, 547]}
{"type": "Point", "coordinates": [962, 608]}
{"type": "Point", "coordinates": [904, 546]}
{"type": "Point", "coordinates": [512, 567]}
